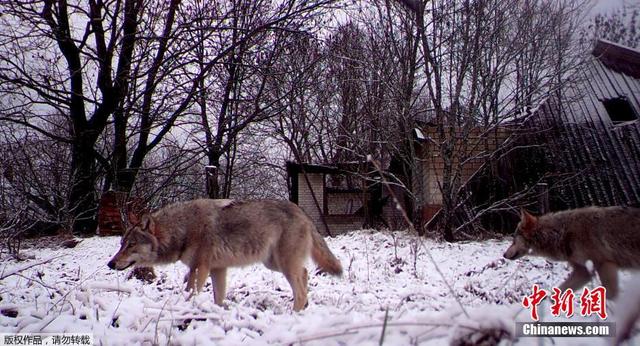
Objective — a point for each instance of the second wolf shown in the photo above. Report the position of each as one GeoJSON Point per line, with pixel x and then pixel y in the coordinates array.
{"type": "Point", "coordinates": [211, 235]}
{"type": "Point", "coordinates": [609, 237]}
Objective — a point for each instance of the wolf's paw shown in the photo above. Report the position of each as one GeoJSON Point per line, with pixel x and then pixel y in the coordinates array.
{"type": "Point", "coordinates": [222, 306]}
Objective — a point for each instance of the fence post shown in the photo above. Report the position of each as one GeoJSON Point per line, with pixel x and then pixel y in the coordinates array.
{"type": "Point", "coordinates": [542, 190]}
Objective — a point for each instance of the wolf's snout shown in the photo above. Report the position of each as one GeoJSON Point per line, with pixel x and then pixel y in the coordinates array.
{"type": "Point", "coordinates": [111, 264]}
{"type": "Point", "coordinates": [514, 252]}
{"type": "Point", "coordinates": [511, 253]}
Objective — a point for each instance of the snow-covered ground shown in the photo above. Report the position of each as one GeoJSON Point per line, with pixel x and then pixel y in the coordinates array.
{"type": "Point", "coordinates": [386, 274]}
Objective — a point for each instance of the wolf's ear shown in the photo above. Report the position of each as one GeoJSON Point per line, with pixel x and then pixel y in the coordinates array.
{"type": "Point", "coordinates": [527, 222]}
{"type": "Point", "coordinates": [148, 224]}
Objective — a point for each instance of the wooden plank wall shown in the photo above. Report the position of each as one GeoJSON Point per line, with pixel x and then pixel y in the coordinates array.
{"type": "Point", "coordinates": [571, 144]}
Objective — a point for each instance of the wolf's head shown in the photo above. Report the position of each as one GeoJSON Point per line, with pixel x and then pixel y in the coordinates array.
{"type": "Point", "coordinates": [138, 245]}
{"type": "Point", "coordinates": [521, 239]}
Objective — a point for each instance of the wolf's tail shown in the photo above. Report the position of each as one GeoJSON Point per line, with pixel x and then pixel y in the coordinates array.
{"type": "Point", "coordinates": [324, 258]}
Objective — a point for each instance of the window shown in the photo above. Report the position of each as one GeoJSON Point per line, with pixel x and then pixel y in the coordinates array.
{"type": "Point", "coordinates": [343, 195]}
{"type": "Point", "coordinates": [620, 110]}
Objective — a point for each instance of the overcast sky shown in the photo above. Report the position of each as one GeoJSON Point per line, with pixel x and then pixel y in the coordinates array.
{"type": "Point", "coordinates": [601, 6]}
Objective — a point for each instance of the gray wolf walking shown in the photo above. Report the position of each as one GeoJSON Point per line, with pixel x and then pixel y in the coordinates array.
{"type": "Point", "coordinates": [609, 237]}
{"type": "Point", "coordinates": [211, 235]}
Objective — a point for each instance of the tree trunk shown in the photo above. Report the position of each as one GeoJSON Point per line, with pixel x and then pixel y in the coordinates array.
{"type": "Point", "coordinates": [213, 173]}
{"type": "Point", "coordinates": [213, 187]}
{"type": "Point", "coordinates": [82, 198]}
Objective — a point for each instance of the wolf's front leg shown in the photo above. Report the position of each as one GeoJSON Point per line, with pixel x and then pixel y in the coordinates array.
{"type": "Point", "coordinates": [578, 277]}
{"type": "Point", "coordinates": [201, 274]}
{"type": "Point", "coordinates": [195, 280]}
{"type": "Point", "coordinates": [189, 279]}
{"type": "Point", "coordinates": [608, 272]}
{"type": "Point", "coordinates": [219, 278]}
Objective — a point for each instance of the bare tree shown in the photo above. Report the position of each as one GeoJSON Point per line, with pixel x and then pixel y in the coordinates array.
{"type": "Point", "coordinates": [123, 75]}
{"type": "Point", "coordinates": [35, 172]}
{"type": "Point", "coordinates": [620, 26]}
{"type": "Point", "coordinates": [75, 60]}
{"type": "Point", "coordinates": [255, 34]}
{"type": "Point", "coordinates": [302, 123]}
{"type": "Point", "coordinates": [484, 63]}
{"type": "Point", "coordinates": [352, 93]}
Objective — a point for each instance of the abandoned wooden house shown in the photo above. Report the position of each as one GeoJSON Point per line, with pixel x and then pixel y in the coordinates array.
{"type": "Point", "coordinates": [581, 147]}
{"type": "Point", "coordinates": [429, 165]}
{"type": "Point", "coordinates": [339, 199]}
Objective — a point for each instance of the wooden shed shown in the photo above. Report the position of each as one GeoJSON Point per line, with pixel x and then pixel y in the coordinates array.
{"type": "Point", "coordinates": [343, 197]}
{"type": "Point", "coordinates": [581, 147]}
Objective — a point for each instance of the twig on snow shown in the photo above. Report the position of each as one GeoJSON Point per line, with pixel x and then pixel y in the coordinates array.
{"type": "Point", "coordinates": [23, 268]}
{"type": "Point", "coordinates": [376, 164]}
{"type": "Point", "coordinates": [356, 329]}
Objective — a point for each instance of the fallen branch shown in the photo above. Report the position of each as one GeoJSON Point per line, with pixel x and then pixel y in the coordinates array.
{"type": "Point", "coordinates": [105, 286]}
{"type": "Point", "coordinates": [355, 329]}
{"type": "Point", "coordinates": [320, 337]}
{"type": "Point", "coordinates": [74, 288]}
{"type": "Point", "coordinates": [16, 271]}
{"type": "Point", "coordinates": [197, 317]}
{"type": "Point", "coordinates": [39, 282]}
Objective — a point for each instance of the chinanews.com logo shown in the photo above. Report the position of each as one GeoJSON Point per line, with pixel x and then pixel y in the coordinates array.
{"type": "Point", "coordinates": [592, 302]}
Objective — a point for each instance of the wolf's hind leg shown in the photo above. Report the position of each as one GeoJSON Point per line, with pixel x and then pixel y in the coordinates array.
{"type": "Point", "coordinates": [578, 277]}
{"type": "Point", "coordinates": [219, 278]}
{"type": "Point", "coordinates": [608, 272]}
{"type": "Point", "coordinates": [296, 274]}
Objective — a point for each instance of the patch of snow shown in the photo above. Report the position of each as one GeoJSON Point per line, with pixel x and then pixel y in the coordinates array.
{"type": "Point", "coordinates": [419, 134]}
{"type": "Point", "coordinates": [385, 274]}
